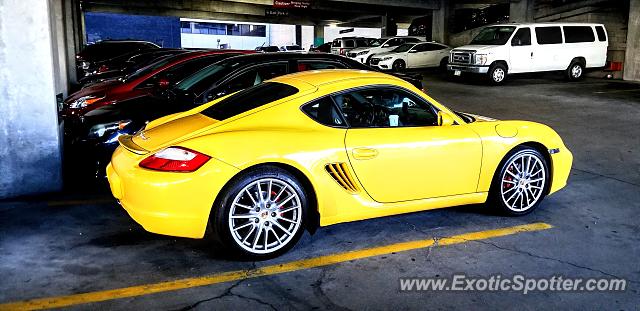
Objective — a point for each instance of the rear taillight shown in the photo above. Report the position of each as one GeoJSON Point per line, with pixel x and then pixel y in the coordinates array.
{"type": "Point", "coordinates": [175, 159]}
{"type": "Point", "coordinates": [103, 68]}
{"type": "Point", "coordinates": [341, 51]}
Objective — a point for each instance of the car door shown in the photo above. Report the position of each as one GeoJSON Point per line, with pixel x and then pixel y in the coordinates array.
{"type": "Point", "coordinates": [433, 54]}
{"type": "Point", "coordinates": [521, 51]}
{"type": "Point", "coordinates": [397, 150]}
{"type": "Point", "coordinates": [415, 56]}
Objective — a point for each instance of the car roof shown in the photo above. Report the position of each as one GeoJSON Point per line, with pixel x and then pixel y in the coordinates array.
{"type": "Point", "coordinates": [320, 77]}
{"type": "Point", "coordinates": [548, 24]}
{"type": "Point", "coordinates": [259, 57]}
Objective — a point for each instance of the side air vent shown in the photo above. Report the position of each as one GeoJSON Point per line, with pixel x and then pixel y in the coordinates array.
{"type": "Point", "coordinates": [340, 172]}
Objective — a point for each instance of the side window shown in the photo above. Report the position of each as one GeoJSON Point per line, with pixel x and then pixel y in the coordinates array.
{"type": "Point", "coordinates": [576, 34]}
{"type": "Point", "coordinates": [419, 48]}
{"type": "Point", "coordinates": [324, 111]}
{"type": "Point", "coordinates": [304, 65]}
{"type": "Point", "coordinates": [361, 43]}
{"type": "Point", "coordinates": [349, 44]}
{"type": "Point", "coordinates": [384, 107]}
{"type": "Point", "coordinates": [431, 47]}
{"type": "Point", "coordinates": [602, 36]}
{"type": "Point", "coordinates": [393, 42]}
{"type": "Point", "coordinates": [253, 76]}
{"type": "Point", "coordinates": [411, 40]}
{"type": "Point", "coordinates": [549, 35]}
{"type": "Point", "coordinates": [522, 37]}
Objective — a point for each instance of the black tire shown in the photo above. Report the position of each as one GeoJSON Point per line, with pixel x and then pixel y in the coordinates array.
{"type": "Point", "coordinates": [502, 189]}
{"type": "Point", "coordinates": [497, 73]}
{"type": "Point", "coordinates": [399, 65]}
{"type": "Point", "coordinates": [368, 61]}
{"type": "Point", "coordinates": [220, 215]}
{"type": "Point", "coordinates": [575, 71]}
{"type": "Point", "coordinates": [443, 64]}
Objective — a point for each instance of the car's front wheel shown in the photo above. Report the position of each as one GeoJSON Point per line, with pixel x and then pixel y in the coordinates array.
{"type": "Point", "coordinates": [520, 184]}
{"type": "Point", "coordinates": [261, 214]}
{"type": "Point", "coordinates": [399, 65]}
{"type": "Point", "coordinates": [497, 73]}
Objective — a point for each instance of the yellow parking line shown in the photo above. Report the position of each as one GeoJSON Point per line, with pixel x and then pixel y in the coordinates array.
{"type": "Point", "coordinates": [140, 290]}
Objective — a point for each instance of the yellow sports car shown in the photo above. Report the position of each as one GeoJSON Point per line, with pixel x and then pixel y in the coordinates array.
{"type": "Point", "coordinates": [323, 147]}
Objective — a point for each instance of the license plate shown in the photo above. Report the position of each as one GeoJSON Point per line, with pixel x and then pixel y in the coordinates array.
{"type": "Point", "coordinates": [457, 73]}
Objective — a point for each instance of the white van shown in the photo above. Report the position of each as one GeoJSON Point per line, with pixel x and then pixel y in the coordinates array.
{"type": "Point", "coordinates": [516, 48]}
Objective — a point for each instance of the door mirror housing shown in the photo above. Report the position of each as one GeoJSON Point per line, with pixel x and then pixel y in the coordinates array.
{"type": "Point", "coordinates": [163, 83]}
{"type": "Point", "coordinates": [445, 119]}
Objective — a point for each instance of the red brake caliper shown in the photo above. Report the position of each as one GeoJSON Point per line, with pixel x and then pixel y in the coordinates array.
{"type": "Point", "coordinates": [506, 185]}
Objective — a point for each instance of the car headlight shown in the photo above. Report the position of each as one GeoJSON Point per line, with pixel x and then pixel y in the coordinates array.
{"type": "Point", "coordinates": [84, 101]}
{"type": "Point", "coordinates": [481, 59]}
{"type": "Point", "coordinates": [100, 130]}
{"type": "Point", "coordinates": [386, 58]}
{"type": "Point", "coordinates": [362, 53]}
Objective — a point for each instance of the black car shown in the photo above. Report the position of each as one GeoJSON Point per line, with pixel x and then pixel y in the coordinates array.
{"type": "Point", "coordinates": [104, 50]}
{"type": "Point", "coordinates": [125, 64]}
{"type": "Point", "coordinates": [102, 126]}
{"type": "Point", "coordinates": [323, 48]}
{"type": "Point", "coordinates": [268, 49]}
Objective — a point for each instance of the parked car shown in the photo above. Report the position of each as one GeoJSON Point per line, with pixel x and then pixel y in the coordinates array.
{"type": "Point", "coordinates": [126, 64]}
{"type": "Point", "coordinates": [107, 49]}
{"type": "Point", "coordinates": [322, 48]}
{"type": "Point", "coordinates": [382, 45]}
{"type": "Point", "coordinates": [324, 147]}
{"type": "Point", "coordinates": [101, 127]}
{"type": "Point", "coordinates": [340, 46]}
{"type": "Point", "coordinates": [413, 55]}
{"type": "Point", "coordinates": [292, 48]}
{"type": "Point", "coordinates": [268, 49]}
{"type": "Point", "coordinates": [517, 48]}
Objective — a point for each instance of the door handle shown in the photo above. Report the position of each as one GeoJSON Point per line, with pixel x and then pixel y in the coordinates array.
{"type": "Point", "coordinates": [364, 153]}
{"type": "Point", "coordinates": [531, 54]}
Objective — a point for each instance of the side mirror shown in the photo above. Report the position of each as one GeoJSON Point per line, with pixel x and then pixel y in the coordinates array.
{"type": "Point", "coordinates": [444, 119]}
{"type": "Point", "coordinates": [386, 45]}
{"type": "Point", "coordinates": [163, 83]}
{"type": "Point", "coordinates": [413, 51]}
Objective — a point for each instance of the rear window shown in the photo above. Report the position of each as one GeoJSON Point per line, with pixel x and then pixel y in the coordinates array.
{"type": "Point", "coordinates": [575, 34]}
{"type": "Point", "coordinates": [602, 36]}
{"type": "Point", "coordinates": [249, 99]}
{"type": "Point", "coordinates": [548, 35]}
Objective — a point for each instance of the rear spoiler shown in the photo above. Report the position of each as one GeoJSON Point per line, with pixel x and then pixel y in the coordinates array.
{"type": "Point", "coordinates": [126, 141]}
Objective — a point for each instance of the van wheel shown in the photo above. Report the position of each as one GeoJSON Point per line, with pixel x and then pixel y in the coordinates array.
{"type": "Point", "coordinates": [575, 71]}
{"type": "Point", "coordinates": [497, 73]}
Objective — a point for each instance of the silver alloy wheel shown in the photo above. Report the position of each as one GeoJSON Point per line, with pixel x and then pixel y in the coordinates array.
{"type": "Point", "coordinates": [498, 75]}
{"type": "Point", "coordinates": [523, 181]}
{"type": "Point", "coordinates": [265, 215]}
{"type": "Point", "coordinates": [576, 71]}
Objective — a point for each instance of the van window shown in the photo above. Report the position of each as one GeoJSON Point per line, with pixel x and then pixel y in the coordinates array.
{"type": "Point", "coordinates": [522, 37]}
{"type": "Point", "coordinates": [361, 43]}
{"type": "Point", "coordinates": [549, 35]}
{"type": "Point", "coordinates": [349, 43]}
{"type": "Point", "coordinates": [575, 34]}
{"type": "Point", "coordinates": [602, 36]}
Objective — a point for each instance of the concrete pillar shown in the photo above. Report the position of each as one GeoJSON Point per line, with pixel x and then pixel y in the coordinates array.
{"type": "Point", "coordinates": [389, 27]}
{"type": "Point", "coordinates": [440, 23]}
{"type": "Point", "coordinates": [29, 133]}
{"type": "Point", "coordinates": [318, 35]}
{"type": "Point", "coordinates": [521, 11]}
{"type": "Point", "coordinates": [632, 54]}
{"type": "Point", "coordinates": [299, 35]}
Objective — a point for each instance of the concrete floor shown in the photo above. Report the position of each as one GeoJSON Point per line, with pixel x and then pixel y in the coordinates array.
{"type": "Point", "coordinates": [50, 249]}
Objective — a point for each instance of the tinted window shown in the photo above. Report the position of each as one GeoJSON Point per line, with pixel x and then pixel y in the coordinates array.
{"type": "Point", "coordinates": [349, 43]}
{"type": "Point", "coordinates": [249, 99]}
{"type": "Point", "coordinates": [181, 71]}
{"type": "Point", "coordinates": [249, 78]}
{"type": "Point", "coordinates": [574, 34]}
{"type": "Point", "coordinates": [403, 48]}
{"type": "Point", "coordinates": [318, 64]}
{"type": "Point", "coordinates": [412, 40]}
{"type": "Point", "coordinates": [548, 35]}
{"type": "Point", "coordinates": [601, 34]}
{"type": "Point", "coordinates": [393, 42]}
{"type": "Point", "coordinates": [494, 35]}
{"type": "Point", "coordinates": [522, 37]}
{"type": "Point", "coordinates": [324, 111]}
{"type": "Point", "coordinates": [361, 43]}
{"type": "Point", "coordinates": [432, 47]}
{"type": "Point", "coordinates": [384, 107]}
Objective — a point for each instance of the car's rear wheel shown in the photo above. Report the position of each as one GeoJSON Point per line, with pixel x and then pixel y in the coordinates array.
{"type": "Point", "coordinates": [261, 214]}
{"type": "Point", "coordinates": [521, 182]}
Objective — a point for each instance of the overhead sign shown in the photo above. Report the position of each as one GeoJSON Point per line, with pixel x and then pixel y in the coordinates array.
{"type": "Point", "coordinates": [276, 12]}
{"type": "Point", "coordinates": [292, 4]}
{"type": "Point", "coordinates": [346, 30]}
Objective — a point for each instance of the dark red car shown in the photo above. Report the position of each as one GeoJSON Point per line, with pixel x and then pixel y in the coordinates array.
{"type": "Point", "coordinates": [161, 74]}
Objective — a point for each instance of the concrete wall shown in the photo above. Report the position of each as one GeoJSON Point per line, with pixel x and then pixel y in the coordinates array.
{"type": "Point", "coordinates": [29, 136]}
{"type": "Point", "coordinates": [632, 63]}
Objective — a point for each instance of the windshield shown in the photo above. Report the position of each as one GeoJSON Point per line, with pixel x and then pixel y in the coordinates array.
{"type": "Point", "coordinates": [378, 42]}
{"type": "Point", "coordinates": [404, 47]}
{"type": "Point", "coordinates": [210, 73]}
{"type": "Point", "coordinates": [494, 35]}
{"type": "Point", "coordinates": [146, 70]}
